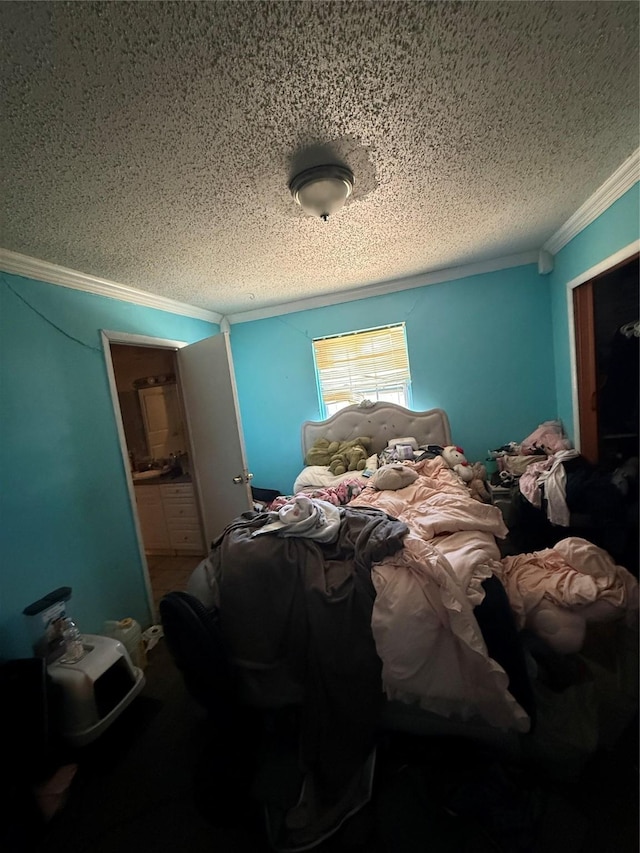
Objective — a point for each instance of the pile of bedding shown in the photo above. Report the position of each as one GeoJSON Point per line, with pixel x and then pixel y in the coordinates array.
{"type": "Point", "coordinates": [335, 618]}
{"type": "Point", "coordinates": [429, 643]}
{"type": "Point", "coordinates": [557, 591]}
{"type": "Point", "coordinates": [432, 651]}
{"type": "Point", "coordinates": [295, 613]}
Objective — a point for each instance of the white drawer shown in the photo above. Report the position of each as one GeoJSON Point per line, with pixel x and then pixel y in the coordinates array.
{"type": "Point", "coordinates": [177, 490]}
{"type": "Point", "coordinates": [180, 509]}
{"type": "Point", "coordinates": [185, 538]}
{"type": "Point", "coordinates": [183, 524]}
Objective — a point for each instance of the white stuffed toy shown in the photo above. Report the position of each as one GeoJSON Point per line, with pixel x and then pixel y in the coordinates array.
{"type": "Point", "coordinates": [457, 461]}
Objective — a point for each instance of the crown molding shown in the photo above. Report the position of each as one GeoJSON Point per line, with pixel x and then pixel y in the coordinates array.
{"type": "Point", "coordinates": [613, 188]}
{"type": "Point", "coordinates": [605, 265]}
{"type": "Point", "coordinates": [625, 177]}
{"type": "Point", "coordinates": [13, 262]}
{"type": "Point", "coordinates": [389, 286]}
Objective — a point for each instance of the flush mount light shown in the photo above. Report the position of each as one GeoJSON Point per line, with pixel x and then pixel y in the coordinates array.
{"type": "Point", "coordinates": [322, 190]}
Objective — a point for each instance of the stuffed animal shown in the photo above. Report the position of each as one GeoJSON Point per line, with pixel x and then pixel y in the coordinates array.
{"type": "Point", "coordinates": [321, 451]}
{"type": "Point", "coordinates": [350, 456]}
{"type": "Point", "coordinates": [478, 488]}
{"type": "Point", "coordinates": [340, 456]}
{"type": "Point", "coordinates": [457, 461]}
{"type": "Point", "coordinates": [393, 476]}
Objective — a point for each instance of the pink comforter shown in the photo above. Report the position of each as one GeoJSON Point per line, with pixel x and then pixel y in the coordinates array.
{"type": "Point", "coordinates": [427, 637]}
{"type": "Point", "coordinates": [574, 573]}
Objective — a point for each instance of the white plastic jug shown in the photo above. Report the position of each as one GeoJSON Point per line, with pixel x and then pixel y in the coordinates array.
{"type": "Point", "coordinates": [130, 635]}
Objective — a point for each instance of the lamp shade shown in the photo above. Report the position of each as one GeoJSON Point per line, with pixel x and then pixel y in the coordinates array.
{"type": "Point", "coordinates": [322, 190]}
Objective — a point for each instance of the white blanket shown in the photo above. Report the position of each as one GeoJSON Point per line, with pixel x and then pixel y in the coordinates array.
{"type": "Point", "coordinates": [319, 476]}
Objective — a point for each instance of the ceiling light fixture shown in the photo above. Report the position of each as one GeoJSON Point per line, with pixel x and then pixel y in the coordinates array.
{"type": "Point", "coordinates": [322, 190]}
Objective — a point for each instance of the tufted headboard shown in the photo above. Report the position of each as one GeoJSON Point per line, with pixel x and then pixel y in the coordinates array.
{"type": "Point", "coordinates": [380, 421]}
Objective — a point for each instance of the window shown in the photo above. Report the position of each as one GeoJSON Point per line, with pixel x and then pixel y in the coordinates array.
{"type": "Point", "coordinates": [369, 365]}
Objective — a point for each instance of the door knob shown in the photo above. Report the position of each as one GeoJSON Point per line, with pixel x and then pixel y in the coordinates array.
{"type": "Point", "coordinates": [238, 480]}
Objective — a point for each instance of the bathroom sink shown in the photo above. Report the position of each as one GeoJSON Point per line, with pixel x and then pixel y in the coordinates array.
{"type": "Point", "coordinates": [146, 475]}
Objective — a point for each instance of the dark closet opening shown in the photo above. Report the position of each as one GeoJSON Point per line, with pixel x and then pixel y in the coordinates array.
{"type": "Point", "coordinates": [616, 314]}
{"type": "Point", "coordinates": [607, 359]}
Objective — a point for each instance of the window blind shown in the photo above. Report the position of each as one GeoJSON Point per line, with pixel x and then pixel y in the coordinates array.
{"type": "Point", "coordinates": [360, 365]}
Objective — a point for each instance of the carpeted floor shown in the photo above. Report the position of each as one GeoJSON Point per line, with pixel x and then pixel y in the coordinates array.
{"type": "Point", "coordinates": [158, 781]}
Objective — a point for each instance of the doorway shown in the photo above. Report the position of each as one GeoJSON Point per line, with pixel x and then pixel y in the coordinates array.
{"type": "Point", "coordinates": [606, 314]}
{"type": "Point", "coordinates": [607, 335]}
{"type": "Point", "coordinates": [215, 486]}
{"type": "Point", "coordinates": [157, 443]}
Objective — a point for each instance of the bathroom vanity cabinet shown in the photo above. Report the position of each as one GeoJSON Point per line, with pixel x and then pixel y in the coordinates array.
{"type": "Point", "coordinates": [169, 518]}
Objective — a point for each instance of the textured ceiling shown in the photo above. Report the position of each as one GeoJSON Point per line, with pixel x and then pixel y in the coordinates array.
{"type": "Point", "coordinates": [152, 143]}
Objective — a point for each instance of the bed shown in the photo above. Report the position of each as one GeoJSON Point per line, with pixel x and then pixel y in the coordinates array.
{"type": "Point", "coordinates": [397, 619]}
{"type": "Point", "coordinates": [433, 653]}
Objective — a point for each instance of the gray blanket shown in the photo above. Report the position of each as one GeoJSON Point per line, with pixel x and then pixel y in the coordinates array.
{"type": "Point", "coordinates": [296, 615]}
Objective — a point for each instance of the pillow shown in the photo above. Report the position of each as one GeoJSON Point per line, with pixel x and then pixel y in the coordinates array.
{"type": "Point", "coordinates": [398, 452]}
{"type": "Point", "coordinates": [394, 476]}
{"type": "Point", "coordinates": [404, 451]}
{"type": "Point", "coordinates": [393, 442]}
{"type": "Point", "coordinates": [372, 463]}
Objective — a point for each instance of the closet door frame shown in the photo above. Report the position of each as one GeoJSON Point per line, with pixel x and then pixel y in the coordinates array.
{"type": "Point", "coordinates": [583, 349]}
{"type": "Point", "coordinates": [586, 370]}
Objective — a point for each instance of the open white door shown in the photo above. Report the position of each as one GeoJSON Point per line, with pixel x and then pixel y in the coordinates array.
{"type": "Point", "coordinates": [217, 445]}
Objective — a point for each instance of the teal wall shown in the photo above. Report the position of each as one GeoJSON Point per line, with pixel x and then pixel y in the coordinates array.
{"type": "Point", "coordinates": [480, 347]}
{"type": "Point", "coordinates": [65, 514]}
{"type": "Point", "coordinates": [614, 229]}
